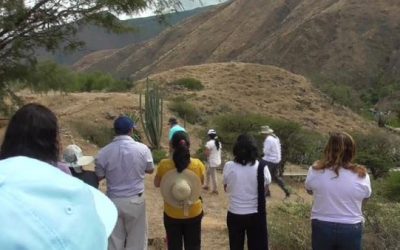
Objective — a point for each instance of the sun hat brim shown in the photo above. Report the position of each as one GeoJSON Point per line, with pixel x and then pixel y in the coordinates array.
{"type": "Point", "coordinates": [170, 178]}
{"type": "Point", "coordinates": [106, 210]}
{"type": "Point", "coordinates": [85, 160]}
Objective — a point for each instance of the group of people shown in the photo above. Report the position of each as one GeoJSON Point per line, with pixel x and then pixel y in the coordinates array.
{"type": "Point", "coordinates": [44, 208]}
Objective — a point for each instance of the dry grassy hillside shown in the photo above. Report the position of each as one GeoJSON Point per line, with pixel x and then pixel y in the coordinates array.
{"type": "Point", "coordinates": [253, 88]}
{"type": "Point", "coordinates": [350, 41]}
{"type": "Point", "coordinates": [229, 87]}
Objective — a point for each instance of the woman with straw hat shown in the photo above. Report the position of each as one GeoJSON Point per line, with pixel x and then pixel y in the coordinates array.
{"type": "Point", "coordinates": [180, 180]}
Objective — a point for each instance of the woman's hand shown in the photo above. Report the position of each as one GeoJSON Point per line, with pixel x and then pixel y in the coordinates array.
{"type": "Point", "coordinates": [157, 181]}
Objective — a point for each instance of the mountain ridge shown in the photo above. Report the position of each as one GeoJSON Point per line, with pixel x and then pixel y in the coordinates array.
{"type": "Point", "coordinates": [354, 41]}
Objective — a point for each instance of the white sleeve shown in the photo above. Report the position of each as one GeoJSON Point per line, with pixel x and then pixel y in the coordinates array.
{"type": "Point", "coordinates": [149, 159]}
{"type": "Point", "coordinates": [309, 178]}
{"type": "Point", "coordinates": [209, 144]}
{"type": "Point", "coordinates": [367, 186]}
{"type": "Point", "coordinates": [226, 171]}
{"type": "Point", "coordinates": [267, 176]}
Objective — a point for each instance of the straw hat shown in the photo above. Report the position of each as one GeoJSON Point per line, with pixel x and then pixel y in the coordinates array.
{"type": "Point", "coordinates": [266, 130]}
{"type": "Point", "coordinates": [180, 190]}
{"type": "Point", "coordinates": [73, 155]}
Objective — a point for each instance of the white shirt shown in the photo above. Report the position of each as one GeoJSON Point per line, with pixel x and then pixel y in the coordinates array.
{"type": "Point", "coordinates": [272, 149]}
{"type": "Point", "coordinates": [241, 184]}
{"type": "Point", "coordinates": [123, 163]}
{"type": "Point", "coordinates": [337, 199]}
{"type": "Point", "coordinates": [214, 157]}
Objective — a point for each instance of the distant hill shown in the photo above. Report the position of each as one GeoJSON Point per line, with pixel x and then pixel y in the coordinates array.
{"type": "Point", "coordinates": [97, 38]}
{"type": "Point", "coordinates": [355, 42]}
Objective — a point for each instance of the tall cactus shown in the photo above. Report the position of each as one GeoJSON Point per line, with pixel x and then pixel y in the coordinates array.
{"type": "Point", "coordinates": [151, 118]}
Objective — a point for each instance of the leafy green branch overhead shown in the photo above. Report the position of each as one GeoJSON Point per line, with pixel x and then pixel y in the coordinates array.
{"type": "Point", "coordinates": [26, 25]}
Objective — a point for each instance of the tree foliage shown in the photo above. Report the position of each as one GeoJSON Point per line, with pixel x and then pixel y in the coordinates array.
{"type": "Point", "coordinates": [28, 24]}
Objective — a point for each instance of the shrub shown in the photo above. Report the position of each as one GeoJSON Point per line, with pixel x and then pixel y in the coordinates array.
{"type": "Point", "coordinates": [299, 146]}
{"type": "Point", "coordinates": [158, 155]}
{"type": "Point", "coordinates": [382, 229]}
{"type": "Point", "coordinates": [391, 187]}
{"type": "Point", "coordinates": [377, 151]}
{"type": "Point", "coordinates": [99, 135]}
{"type": "Point", "coordinates": [289, 226]}
{"type": "Point", "coordinates": [188, 83]}
{"type": "Point", "coordinates": [185, 110]}
{"type": "Point", "coordinates": [48, 75]}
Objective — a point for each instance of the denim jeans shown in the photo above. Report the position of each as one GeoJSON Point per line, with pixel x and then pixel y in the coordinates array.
{"type": "Point", "coordinates": [331, 235]}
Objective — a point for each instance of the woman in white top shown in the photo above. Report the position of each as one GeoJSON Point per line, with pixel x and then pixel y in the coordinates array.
{"type": "Point", "coordinates": [245, 179]}
{"type": "Point", "coordinates": [339, 187]}
{"type": "Point", "coordinates": [213, 154]}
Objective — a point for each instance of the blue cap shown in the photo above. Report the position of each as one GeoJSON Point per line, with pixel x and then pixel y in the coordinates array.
{"type": "Point", "coordinates": [44, 208]}
{"type": "Point", "coordinates": [123, 124]}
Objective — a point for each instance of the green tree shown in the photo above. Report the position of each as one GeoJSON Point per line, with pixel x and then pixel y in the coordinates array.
{"type": "Point", "coordinates": [26, 25]}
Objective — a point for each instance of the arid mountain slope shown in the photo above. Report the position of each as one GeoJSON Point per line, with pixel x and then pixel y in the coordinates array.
{"type": "Point", "coordinates": [350, 41]}
{"type": "Point", "coordinates": [252, 88]}
{"type": "Point", "coordinates": [229, 87]}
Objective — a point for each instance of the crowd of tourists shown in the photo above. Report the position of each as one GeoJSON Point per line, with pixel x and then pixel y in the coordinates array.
{"type": "Point", "coordinates": [50, 201]}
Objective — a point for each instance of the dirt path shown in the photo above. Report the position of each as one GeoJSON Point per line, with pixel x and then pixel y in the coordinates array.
{"type": "Point", "coordinates": [214, 230]}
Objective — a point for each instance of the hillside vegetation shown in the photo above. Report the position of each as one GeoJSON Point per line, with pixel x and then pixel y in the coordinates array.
{"type": "Point", "coordinates": [342, 42]}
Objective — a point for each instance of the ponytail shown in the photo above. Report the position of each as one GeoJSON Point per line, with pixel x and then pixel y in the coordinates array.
{"type": "Point", "coordinates": [181, 155]}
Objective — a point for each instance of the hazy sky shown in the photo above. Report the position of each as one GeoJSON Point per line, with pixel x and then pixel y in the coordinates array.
{"type": "Point", "coordinates": [187, 5]}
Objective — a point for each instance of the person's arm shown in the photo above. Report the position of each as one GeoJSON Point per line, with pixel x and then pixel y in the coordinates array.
{"type": "Point", "coordinates": [150, 163]}
{"type": "Point", "coordinates": [266, 147]}
{"type": "Point", "coordinates": [225, 173]}
{"type": "Point", "coordinates": [99, 169]}
{"type": "Point", "coordinates": [207, 152]}
{"type": "Point", "coordinates": [150, 168]}
{"type": "Point", "coordinates": [307, 183]}
{"type": "Point", "coordinates": [157, 181]}
{"type": "Point", "coordinates": [267, 176]}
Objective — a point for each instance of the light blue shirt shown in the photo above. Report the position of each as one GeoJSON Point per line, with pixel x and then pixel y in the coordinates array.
{"type": "Point", "coordinates": [123, 163]}
{"type": "Point", "coordinates": [44, 208]}
{"type": "Point", "coordinates": [174, 129]}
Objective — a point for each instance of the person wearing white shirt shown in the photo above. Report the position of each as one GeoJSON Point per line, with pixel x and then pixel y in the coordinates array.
{"type": "Point", "coordinates": [213, 154]}
{"type": "Point", "coordinates": [245, 179]}
{"type": "Point", "coordinates": [339, 188]}
{"type": "Point", "coordinates": [272, 155]}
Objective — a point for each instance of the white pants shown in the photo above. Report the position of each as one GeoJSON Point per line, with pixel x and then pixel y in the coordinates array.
{"type": "Point", "coordinates": [211, 173]}
{"type": "Point", "coordinates": [131, 228]}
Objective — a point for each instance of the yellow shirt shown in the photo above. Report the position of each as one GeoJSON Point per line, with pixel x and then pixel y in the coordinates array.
{"type": "Point", "coordinates": [199, 169]}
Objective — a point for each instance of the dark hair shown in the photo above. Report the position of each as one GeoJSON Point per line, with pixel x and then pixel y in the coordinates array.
{"type": "Point", "coordinates": [215, 138]}
{"type": "Point", "coordinates": [245, 150]}
{"type": "Point", "coordinates": [339, 153]}
{"type": "Point", "coordinates": [181, 155]}
{"type": "Point", "coordinates": [32, 132]}
{"type": "Point", "coordinates": [172, 121]}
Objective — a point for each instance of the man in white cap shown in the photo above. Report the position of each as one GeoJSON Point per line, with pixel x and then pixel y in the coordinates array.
{"type": "Point", "coordinates": [272, 155]}
{"type": "Point", "coordinates": [124, 163]}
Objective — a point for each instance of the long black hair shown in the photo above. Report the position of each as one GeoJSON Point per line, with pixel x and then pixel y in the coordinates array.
{"type": "Point", "coordinates": [32, 132]}
{"type": "Point", "coordinates": [181, 155]}
{"type": "Point", "coordinates": [216, 140]}
{"type": "Point", "coordinates": [245, 150]}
